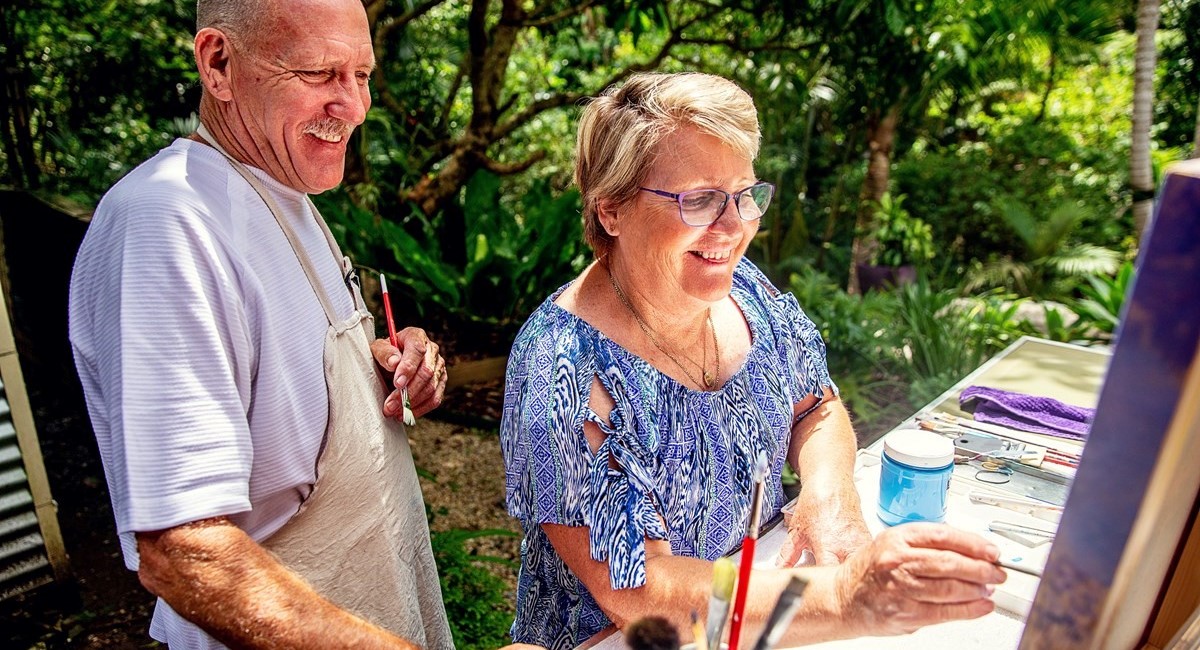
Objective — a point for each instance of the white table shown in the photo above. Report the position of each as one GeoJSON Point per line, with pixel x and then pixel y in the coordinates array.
{"type": "Point", "coordinates": [1069, 373]}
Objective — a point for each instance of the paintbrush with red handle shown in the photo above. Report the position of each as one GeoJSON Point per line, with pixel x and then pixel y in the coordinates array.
{"type": "Point", "coordinates": [747, 563]}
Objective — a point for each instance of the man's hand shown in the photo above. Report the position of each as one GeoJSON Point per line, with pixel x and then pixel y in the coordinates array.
{"type": "Point", "coordinates": [831, 527]}
{"type": "Point", "coordinates": [415, 365]}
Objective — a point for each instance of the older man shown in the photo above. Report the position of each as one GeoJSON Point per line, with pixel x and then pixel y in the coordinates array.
{"type": "Point", "coordinates": [230, 367]}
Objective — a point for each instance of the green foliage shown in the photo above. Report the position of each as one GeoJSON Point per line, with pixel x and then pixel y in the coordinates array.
{"type": "Point", "coordinates": [1050, 265]}
{"type": "Point", "coordinates": [993, 147]}
{"type": "Point", "coordinates": [516, 255]}
{"type": "Point", "coordinates": [1059, 327]}
{"type": "Point", "coordinates": [516, 258]}
{"type": "Point", "coordinates": [103, 85]}
{"type": "Point", "coordinates": [929, 347]}
{"type": "Point", "coordinates": [376, 243]}
{"type": "Point", "coordinates": [936, 338]}
{"type": "Point", "coordinates": [902, 238]}
{"type": "Point", "coordinates": [477, 603]}
{"type": "Point", "coordinates": [857, 350]}
{"type": "Point", "coordinates": [1099, 310]}
{"type": "Point", "coordinates": [1176, 95]}
{"type": "Point", "coordinates": [850, 325]}
{"type": "Point", "coordinates": [917, 338]}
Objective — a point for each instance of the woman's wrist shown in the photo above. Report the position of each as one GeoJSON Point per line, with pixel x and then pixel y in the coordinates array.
{"type": "Point", "coordinates": [838, 493]}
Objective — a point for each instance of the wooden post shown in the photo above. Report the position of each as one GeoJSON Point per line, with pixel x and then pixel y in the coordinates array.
{"type": "Point", "coordinates": [31, 453]}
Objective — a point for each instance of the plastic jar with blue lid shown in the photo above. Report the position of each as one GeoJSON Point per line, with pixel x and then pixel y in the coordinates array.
{"type": "Point", "coordinates": [914, 476]}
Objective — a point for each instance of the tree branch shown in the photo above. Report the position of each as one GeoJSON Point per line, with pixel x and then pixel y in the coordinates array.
{"type": "Point", "coordinates": [503, 169]}
{"type": "Point", "coordinates": [389, 25]}
{"type": "Point", "coordinates": [537, 19]}
{"type": "Point", "coordinates": [383, 29]}
{"type": "Point", "coordinates": [740, 46]}
{"type": "Point", "coordinates": [562, 99]}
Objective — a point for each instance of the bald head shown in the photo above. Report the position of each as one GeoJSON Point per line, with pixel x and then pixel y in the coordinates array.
{"type": "Point", "coordinates": [285, 83]}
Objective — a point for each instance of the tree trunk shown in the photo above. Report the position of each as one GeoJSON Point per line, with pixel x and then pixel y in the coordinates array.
{"type": "Point", "coordinates": [16, 127]}
{"type": "Point", "coordinates": [1141, 176]}
{"type": "Point", "coordinates": [490, 50]}
{"type": "Point", "coordinates": [1196, 137]}
{"type": "Point", "coordinates": [881, 134]}
{"type": "Point", "coordinates": [1049, 86]}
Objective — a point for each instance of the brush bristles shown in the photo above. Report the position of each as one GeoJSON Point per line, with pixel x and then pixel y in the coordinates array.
{"type": "Point", "coordinates": [652, 633]}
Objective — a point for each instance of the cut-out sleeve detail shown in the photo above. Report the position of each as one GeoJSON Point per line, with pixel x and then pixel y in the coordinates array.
{"type": "Point", "coordinates": [621, 513]}
{"type": "Point", "coordinates": [551, 474]}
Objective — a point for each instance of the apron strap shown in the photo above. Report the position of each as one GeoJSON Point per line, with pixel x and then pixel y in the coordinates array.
{"type": "Point", "coordinates": [306, 263]}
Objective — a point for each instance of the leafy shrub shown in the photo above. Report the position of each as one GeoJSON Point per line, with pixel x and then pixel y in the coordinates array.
{"type": "Point", "coordinates": [1077, 154]}
{"type": "Point", "coordinates": [1100, 308]}
{"type": "Point", "coordinates": [856, 350]}
{"type": "Point", "coordinates": [1049, 264]}
{"type": "Point", "coordinates": [477, 603]}
{"type": "Point", "coordinates": [927, 341]}
{"type": "Point", "coordinates": [1058, 327]}
{"type": "Point", "coordinates": [937, 338]}
{"type": "Point", "coordinates": [902, 238]}
{"type": "Point", "coordinates": [515, 256]}
{"type": "Point", "coordinates": [518, 256]}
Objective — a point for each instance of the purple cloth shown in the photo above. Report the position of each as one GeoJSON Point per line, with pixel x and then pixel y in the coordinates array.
{"type": "Point", "coordinates": [1027, 412]}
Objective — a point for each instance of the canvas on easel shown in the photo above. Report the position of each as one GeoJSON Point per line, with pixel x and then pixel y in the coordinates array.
{"type": "Point", "coordinates": [1133, 501]}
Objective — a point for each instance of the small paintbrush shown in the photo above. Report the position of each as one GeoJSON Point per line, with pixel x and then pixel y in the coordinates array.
{"type": "Point", "coordinates": [781, 616]}
{"type": "Point", "coordinates": [391, 327]}
{"type": "Point", "coordinates": [747, 563]}
{"type": "Point", "coordinates": [724, 574]}
{"type": "Point", "coordinates": [699, 638]}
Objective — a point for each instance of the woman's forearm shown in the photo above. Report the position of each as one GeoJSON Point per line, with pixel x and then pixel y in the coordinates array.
{"type": "Point", "coordinates": [823, 447]}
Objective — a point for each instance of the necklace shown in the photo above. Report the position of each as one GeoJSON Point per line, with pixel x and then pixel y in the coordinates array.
{"type": "Point", "coordinates": [710, 378]}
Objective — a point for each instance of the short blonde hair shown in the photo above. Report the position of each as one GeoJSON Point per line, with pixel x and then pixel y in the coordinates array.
{"type": "Point", "coordinates": [620, 130]}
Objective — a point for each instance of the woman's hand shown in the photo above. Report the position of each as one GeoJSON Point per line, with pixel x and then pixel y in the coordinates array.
{"type": "Point", "coordinates": [415, 365]}
{"type": "Point", "coordinates": [915, 575]}
{"type": "Point", "coordinates": [831, 527]}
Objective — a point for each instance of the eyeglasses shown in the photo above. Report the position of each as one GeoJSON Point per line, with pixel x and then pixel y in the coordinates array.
{"type": "Point", "coordinates": [704, 207]}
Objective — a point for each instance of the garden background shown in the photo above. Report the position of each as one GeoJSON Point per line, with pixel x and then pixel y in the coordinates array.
{"type": "Point", "coordinates": [1005, 151]}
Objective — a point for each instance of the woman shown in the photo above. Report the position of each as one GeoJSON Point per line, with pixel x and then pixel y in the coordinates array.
{"type": "Point", "coordinates": [639, 396]}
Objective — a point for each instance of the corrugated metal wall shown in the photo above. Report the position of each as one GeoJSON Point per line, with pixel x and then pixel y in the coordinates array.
{"type": "Point", "coordinates": [31, 545]}
{"type": "Point", "coordinates": [24, 562]}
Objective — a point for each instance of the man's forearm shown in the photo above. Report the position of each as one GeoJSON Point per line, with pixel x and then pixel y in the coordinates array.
{"type": "Point", "coordinates": [214, 575]}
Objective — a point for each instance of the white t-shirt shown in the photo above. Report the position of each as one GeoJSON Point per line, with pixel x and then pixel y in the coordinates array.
{"type": "Point", "coordinates": [199, 341]}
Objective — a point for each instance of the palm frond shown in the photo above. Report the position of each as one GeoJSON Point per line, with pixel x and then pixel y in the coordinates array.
{"type": "Point", "coordinates": [1083, 260]}
{"type": "Point", "coordinates": [1019, 218]}
{"type": "Point", "coordinates": [1052, 233]}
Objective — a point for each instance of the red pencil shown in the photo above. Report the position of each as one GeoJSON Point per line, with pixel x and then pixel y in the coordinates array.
{"type": "Point", "coordinates": [747, 563]}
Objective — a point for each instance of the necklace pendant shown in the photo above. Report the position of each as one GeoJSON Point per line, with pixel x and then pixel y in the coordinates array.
{"type": "Point", "coordinates": [709, 380]}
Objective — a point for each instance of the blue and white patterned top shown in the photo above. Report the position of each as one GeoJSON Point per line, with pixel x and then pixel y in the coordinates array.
{"type": "Point", "coordinates": [684, 455]}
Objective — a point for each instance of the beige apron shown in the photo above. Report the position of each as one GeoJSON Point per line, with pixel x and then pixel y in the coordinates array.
{"type": "Point", "coordinates": [361, 538]}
